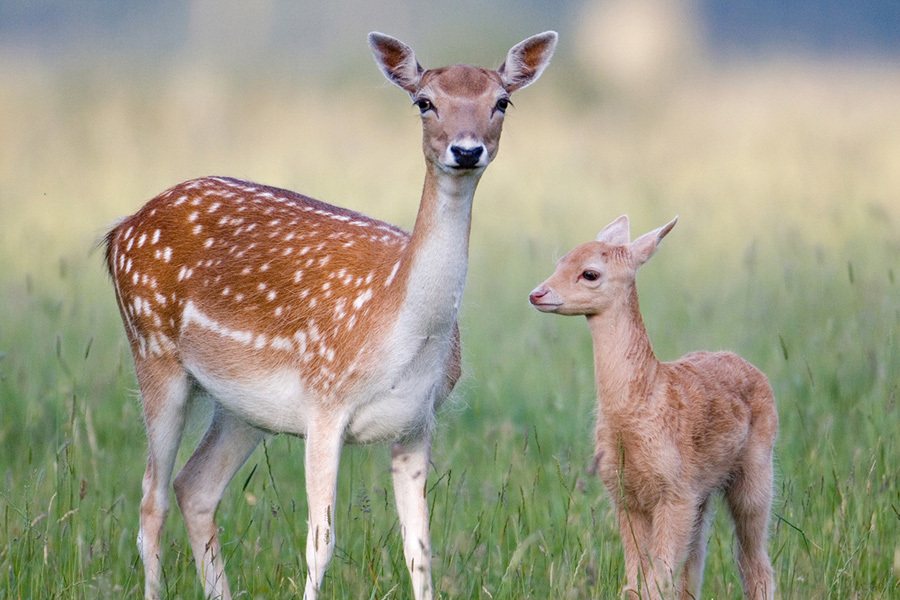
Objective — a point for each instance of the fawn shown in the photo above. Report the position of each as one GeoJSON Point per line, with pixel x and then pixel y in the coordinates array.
{"type": "Point", "coordinates": [670, 435]}
{"type": "Point", "coordinates": [300, 317]}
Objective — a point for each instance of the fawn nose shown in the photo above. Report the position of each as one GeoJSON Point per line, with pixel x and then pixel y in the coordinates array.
{"type": "Point", "coordinates": [545, 299]}
{"type": "Point", "coordinates": [537, 294]}
{"type": "Point", "coordinates": [467, 157]}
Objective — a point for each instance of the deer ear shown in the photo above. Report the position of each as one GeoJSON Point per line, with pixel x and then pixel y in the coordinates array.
{"type": "Point", "coordinates": [616, 233]}
{"type": "Point", "coordinates": [527, 60]}
{"type": "Point", "coordinates": [645, 246]}
{"type": "Point", "coordinates": [397, 61]}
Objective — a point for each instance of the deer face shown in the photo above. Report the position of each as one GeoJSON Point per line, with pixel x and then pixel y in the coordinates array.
{"type": "Point", "coordinates": [462, 107]}
{"type": "Point", "coordinates": [593, 276]}
{"type": "Point", "coordinates": [587, 280]}
{"type": "Point", "coordinates": [462, 111]}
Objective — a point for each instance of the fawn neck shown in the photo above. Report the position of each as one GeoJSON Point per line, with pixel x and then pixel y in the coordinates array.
{"type": "Point", "coordinates": [624, 363]}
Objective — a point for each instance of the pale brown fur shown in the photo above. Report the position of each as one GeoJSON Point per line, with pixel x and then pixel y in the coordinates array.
{"type": "Point", "coordinates": [300, 317]}
{"type": "Point", "coordinates": [670, 435]}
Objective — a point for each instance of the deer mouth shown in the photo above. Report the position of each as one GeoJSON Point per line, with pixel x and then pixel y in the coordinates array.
{"type": "Point", "coordinates": [460, 170]}
{"type": "Point", "coordinates": [464, 168]}
{"type": "Point", "coordinates": [546, 306]}
{"type": "Point", "coordinates": [545, 299]}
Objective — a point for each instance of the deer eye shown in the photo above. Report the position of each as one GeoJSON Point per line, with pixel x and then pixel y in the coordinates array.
{"type": "Point", "coordinates": [424, 105]}
{"type": "Point", "coordinates": [503, 104]}
{"type": "Point", "coordinates": [591, 275]}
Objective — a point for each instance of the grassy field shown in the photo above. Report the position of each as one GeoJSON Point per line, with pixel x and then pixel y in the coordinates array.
{"type": "Point", "coordinates": [787, 251]}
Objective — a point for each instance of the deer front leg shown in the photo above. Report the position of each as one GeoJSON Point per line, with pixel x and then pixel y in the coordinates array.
{"type": "Point", "coordinates": [409, 466]}
{"type": "Point", "coordinates": [692, 577]}
{"type": "Point", "coordinates": [634, 527]}
{"type": "Point", "coordinates": [673, 523]}
{"type": "Point", "coordinates": [324, 441]}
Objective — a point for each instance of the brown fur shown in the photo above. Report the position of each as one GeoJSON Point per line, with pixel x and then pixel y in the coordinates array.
{"type": "Point", "coordinates": [669, 435]}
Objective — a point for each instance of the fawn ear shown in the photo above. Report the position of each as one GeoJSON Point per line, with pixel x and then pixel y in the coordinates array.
{"type": "Point", "coordinates": [616, 233]}
{"type": "Point", "coordinates": [397, 61]}
{"type": "Point", "coordinates": [527, 60]}
{"type": "Point", "coordinates": [645, 246]}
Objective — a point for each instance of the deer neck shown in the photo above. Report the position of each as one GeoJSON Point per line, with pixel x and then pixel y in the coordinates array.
{"type": "Point", "coordinates": [433, 270]}
{"type": "Point", "coordinates": [624, 363]}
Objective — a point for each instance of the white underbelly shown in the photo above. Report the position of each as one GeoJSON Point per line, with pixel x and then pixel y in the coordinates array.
{"type": "Point", "coordinates": [395, 397]}
{"type": "Point", "coordinates": [275, 401]}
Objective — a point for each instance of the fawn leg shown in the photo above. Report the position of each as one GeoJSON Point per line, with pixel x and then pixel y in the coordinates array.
{"type": "Point", "coordinates": [750, 499]}
{"type": "Point", "coordinates": [634, 527]}
{"type": "Point", "coordinates": [673, 523]}
{"type": "Point", "coordinates": [691, 580]}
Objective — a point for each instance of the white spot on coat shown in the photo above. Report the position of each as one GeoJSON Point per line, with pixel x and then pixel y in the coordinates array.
{"type": "Point", "coordinates": [390, 278]}
{"type": "Point", "coordinates": [362, 299]}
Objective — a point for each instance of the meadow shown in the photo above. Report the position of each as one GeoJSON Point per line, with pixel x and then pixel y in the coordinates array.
{"type": "Point", "coordinates": [784, 176]}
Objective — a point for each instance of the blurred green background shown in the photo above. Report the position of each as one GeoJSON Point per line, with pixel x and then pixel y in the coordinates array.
{"type": "Point", "coordinates": [772, 130]}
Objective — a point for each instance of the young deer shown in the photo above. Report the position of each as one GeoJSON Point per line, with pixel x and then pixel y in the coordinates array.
{"type": "Point", "coordinates": [669, 435]}
{"type": "Point", "coordinates": [303, 318]}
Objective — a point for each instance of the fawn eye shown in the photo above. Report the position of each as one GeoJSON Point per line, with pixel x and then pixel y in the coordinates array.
{"type": "Point", "coordinates": [424, 105]}
{"type": "Point", "coordinates": [503, 104]}
{"type": "Point", "coordinates": [591, 275]}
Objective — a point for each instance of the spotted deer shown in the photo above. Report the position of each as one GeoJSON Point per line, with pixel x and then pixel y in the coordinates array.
{"type": "Point", "coordinates": [670, 435]}
{"type": "Point", "coordinates": [300, 317]}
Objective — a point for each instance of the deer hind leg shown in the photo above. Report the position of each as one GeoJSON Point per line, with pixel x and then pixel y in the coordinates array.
{"type": "Point", "coordinates": [164, 393]}
{"type": "Point", "coordinates": [199, 487]}
{"type": "Point", "coordinates": [692, 575]}
{"type": "Point", "coordinates": [750, 499]}
{"type": "Point", "coordinates": [409, 467]}
{"type": "Point", "coordinates": [324, 440]}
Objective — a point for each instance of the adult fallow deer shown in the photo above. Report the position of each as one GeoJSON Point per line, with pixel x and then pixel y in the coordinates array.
{"type": "Point", "coordinates": [300, 317]}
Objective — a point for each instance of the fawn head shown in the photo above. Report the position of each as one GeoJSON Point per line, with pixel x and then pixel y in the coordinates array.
{"type": "Point", "coordinates": [592, 276]}
{"type": "Point", "coordinates": [462, 106]}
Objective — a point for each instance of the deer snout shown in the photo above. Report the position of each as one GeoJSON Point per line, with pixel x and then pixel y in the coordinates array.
{"type": "Point", "coordinates": [545, 299]}
{"type": "Point", "coordinates": [468, 157]}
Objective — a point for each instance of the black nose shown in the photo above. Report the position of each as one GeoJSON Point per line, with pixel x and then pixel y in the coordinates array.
{"type": "Point", "coordinates": [466, 158]}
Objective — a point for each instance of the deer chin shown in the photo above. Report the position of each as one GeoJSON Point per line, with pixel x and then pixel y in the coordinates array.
{"type": "Point", "coordinates": [452, 168]}
{"type": "Point", "coordinates": [547, 307]}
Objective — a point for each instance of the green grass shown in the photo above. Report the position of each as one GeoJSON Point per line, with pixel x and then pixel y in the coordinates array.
{"type": "Point", "coordinates": [786, 251]}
